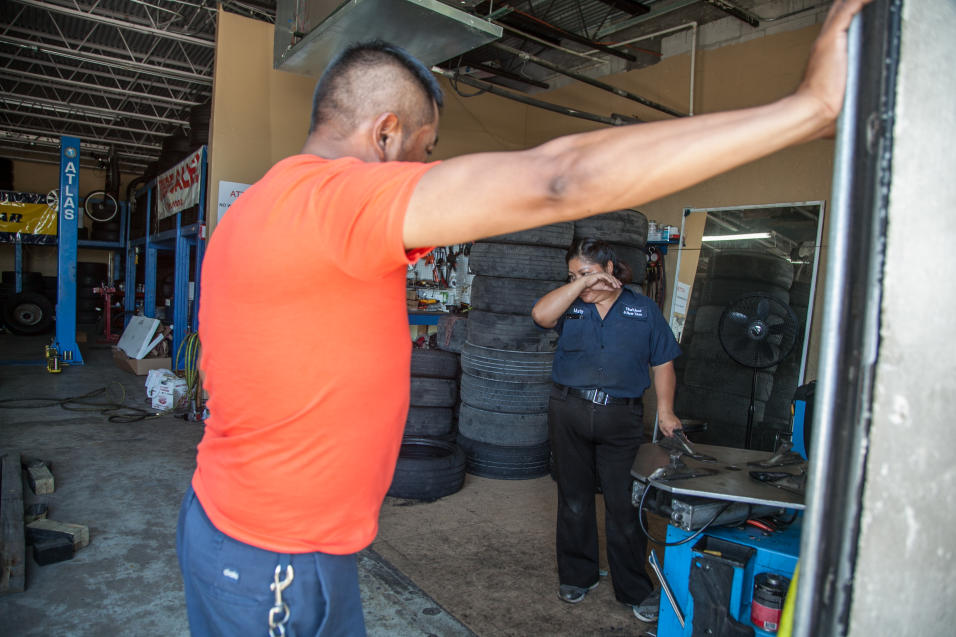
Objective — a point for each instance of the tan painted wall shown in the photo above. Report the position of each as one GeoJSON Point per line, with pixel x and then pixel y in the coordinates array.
{"type": "Point", "coordinates": [259, 115]}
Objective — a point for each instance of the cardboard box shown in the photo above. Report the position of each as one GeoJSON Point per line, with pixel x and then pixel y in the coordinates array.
{"type": "Point", "coordinates": [139, 367]}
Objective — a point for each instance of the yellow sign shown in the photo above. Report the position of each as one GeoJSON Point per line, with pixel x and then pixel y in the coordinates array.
{"type": "Point", "coordinates": [28, 218]}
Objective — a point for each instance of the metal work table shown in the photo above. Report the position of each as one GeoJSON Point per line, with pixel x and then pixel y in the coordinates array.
{"type": "Point", "coordinates": [731, 482]}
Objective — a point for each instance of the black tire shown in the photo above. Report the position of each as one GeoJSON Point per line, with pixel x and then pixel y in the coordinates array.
{"type": "Point", "coordinates": [97, 271]}
{"type": "Point", "coordinates": [518, 261]}
{"type": "Point", "coordinates": [99, 234]}
{"type": "Point", "coordinates": [433, 392]}
{"type": "Point", "coordinates": [635, 258]}
{"type": "Point", "coordinates": [87, 318]}
{"type": "Point", "coordinates": [28, 313]}
{"type": "Point", "coordinates": [506, 365]}
{"type": "Point", "coordinates": [429, 421]}
{"type": "Point", "coordinates": [627, 227]}
{"type": "Point", "coordinates": [87, 304]}
{"type": "Point", "coordinates": [30, 281]}
{"type": "Point", "coordinates": [451, 332]}
{"type": "Point", "coordinates": [427, 469]}
{"type": "Point", "coordinates": [100, 206]}
{"type": "Point", "coordinates": [503, 462]}
{"type": "Point", "coordinates": [706, 319]}
{"type": "Point", "coordinates": [723, 292]}
{"type": "Point", "coordinates": [728, 378]}
{"type": "Point", "coordinates": [50, 283]}
{"type": "Point", "coordinates": [752, 266]}
{"type": "Point", "coordinates": [709, 404]}
{"type": "Point", "coordinates": [494, 427]}
{"type": "Point", "coordinates": [800, 294]}
{"type": "Point", "coordinates": [557, 235]}
{"type": "Point", "coordinates": [501, 396]}
{"type": "Point", "coordinates": [509, 332]}
{"type": "Point", "coordinates": [87, 292]}
{"type": "Point", "coordinates": [508, 295]}
{"type": "Point", "coordinates": [705, 349]}
{"type": "Point", "coordinates": [432, 363]}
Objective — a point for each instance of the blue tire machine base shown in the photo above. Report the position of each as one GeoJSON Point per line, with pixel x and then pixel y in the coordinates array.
{"type": "Point", "coordinates": [750, 551]}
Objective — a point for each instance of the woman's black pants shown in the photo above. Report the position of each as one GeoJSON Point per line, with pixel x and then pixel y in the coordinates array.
{"type": "Point", "coordinates": [596, 444]}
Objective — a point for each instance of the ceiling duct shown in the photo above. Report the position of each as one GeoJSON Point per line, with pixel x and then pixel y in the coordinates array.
{"type": "Point", "coordinates": [308, 33]}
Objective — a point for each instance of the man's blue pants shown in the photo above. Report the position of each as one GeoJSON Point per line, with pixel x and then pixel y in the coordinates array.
{"type": "Point", "coordinates": [228, 584]}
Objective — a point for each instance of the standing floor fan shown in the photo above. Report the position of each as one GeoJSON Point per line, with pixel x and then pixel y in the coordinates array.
{"type": "Point", "coordinates": [757, 330]}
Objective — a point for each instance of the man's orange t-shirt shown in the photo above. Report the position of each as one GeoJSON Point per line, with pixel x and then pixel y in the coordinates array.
{"type": "Point", "coordinates": [305, 349]}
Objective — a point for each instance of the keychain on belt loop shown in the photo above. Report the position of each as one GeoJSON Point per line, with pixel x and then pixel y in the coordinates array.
{"type": "Point", "coordinates": [279, 613]}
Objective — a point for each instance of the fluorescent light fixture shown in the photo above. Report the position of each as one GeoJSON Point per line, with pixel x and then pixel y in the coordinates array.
{"type": "Point", "coordinates": [736, 237]}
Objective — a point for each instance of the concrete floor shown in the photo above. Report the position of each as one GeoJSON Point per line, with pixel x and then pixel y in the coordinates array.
{"type": "Point", "coordinates": [478, 562]}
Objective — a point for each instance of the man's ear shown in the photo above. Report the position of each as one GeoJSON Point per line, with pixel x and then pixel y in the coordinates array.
{"type": "Point", "coordinates": [609, 267]}
{"type": "Point", "coordinates": [386, 136]}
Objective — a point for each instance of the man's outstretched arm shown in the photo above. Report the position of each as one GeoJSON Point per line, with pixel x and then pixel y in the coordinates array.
{"type": "Point", "coordinates": [486, 194]}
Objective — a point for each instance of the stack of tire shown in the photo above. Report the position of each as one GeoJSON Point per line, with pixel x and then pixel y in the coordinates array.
{"type": "Point", "coordinates": [787, 377]}
{"type": "Point", "coordinates": [430, 464]}
{"type": "Point", "coordinates": [506, 359]}
{"type": "Point", "coordinates": [89, 304]}
{"type": "Point", "coordinates": [625, 231]}
{"type": "Point", "coordinates": [31, 311]}
{"type": "Point", "coordinates": [711, 385]}
{"type": "Point", "coordinates": [105, 230]}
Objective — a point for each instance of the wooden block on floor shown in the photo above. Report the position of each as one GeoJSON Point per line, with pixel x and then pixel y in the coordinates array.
{"type": "Point", "coordinates": [40, 478]}
{"type": "Point", "coordinates": [35, 512]}
{"type": "Point", "coordinates": [12, 545]}
{"type": "Point", "coordinates": [39, 530]}
{"type": "Point", "coordinates": [53, 549]}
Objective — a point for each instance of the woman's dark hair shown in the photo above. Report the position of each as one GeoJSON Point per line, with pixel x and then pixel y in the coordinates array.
{"type": "Point", "coordinates": [599, 252]}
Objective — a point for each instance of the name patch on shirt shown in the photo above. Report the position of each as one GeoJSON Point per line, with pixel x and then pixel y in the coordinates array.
{"type": "Point", "coordinates": [575, 313]}
{"type": "Point", "coordinates": [639, 313]}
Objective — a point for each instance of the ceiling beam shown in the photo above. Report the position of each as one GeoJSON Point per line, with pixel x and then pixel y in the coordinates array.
{"type": "Point", "coordinates": [551, 66]}
{"type": "Point", "coordinates": [105, 60]}
{"type": "Point", "coordinates": [633, 7]}
{"type": "Point", "coordinates": [26, 135]}
{"type": "Point", "coordinates": [120, 24]}
{"type": "Point", "coordinates": [112, 77]}
{"type": "Point", "coordinates": [36, 79]}
{"type": "Point", "coordinates": [516, 77]}
{"type": "Point", "coordinates": [657, 9]}
{"type": "Point", "coordinates": [88, 111]}
{"type": "Point", "coordinates": [108, 127]}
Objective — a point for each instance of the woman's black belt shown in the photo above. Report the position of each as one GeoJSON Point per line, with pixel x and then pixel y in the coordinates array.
{"type": "Point", "coordinates": [596, 396]}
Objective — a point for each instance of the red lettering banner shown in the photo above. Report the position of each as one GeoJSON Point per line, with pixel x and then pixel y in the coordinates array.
{"type": "Point", "coordinates": [179, 186]}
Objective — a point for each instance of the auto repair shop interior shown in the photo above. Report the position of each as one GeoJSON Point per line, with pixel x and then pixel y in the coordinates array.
{"type": "Point", "coordinates": [807, 290]}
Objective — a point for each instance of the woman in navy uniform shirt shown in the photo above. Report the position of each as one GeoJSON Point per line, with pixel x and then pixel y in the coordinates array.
{"type": "Point", "coordinates": [610, 337]}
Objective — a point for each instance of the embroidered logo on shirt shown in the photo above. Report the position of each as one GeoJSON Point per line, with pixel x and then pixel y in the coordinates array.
{"type": "Point", "coordinates": [634, 312]}
{"type": "Point", "coordinates": [575, 313]}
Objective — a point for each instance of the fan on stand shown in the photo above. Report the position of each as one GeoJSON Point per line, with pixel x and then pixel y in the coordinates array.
{"type": "Point", "coordinates": [758, 331]}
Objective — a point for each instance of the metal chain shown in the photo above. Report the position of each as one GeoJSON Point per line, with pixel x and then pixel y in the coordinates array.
{"type": "Point", "coordinates": [279, 613]}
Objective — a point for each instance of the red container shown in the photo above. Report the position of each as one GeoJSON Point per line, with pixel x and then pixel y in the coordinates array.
{"type": "Point", "coordinates": [770, 590]}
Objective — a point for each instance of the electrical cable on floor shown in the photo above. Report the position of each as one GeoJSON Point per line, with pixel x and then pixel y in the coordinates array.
{"type": "Point", "coordinates": [190, 365]}
{"type": "Point", "coordinates": [115, 412]}
{"type": "Point", "coordinates": [191, 346]}
{"type": "Point", "coordinates": [697, 533]}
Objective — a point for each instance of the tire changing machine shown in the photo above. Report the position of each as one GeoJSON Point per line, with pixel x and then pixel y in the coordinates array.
{"type": "Point", "coordinates": [715, 576]}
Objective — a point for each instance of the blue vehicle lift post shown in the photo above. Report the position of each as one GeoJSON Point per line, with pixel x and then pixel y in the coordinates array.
{"type": "Point", "coordinates": [68, 213]}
